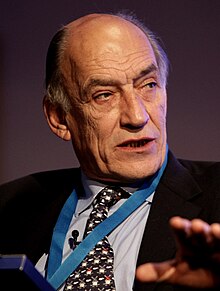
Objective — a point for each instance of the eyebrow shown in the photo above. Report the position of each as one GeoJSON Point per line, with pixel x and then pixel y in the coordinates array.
{"type": "Point", "coordinates": [101, 82]}
{"type": "Point", "coordinates": [98, 82]}
{"type": "Point", "coordinates": [109, 82]}
{"type": "Point", "coordinates": [151, 68]}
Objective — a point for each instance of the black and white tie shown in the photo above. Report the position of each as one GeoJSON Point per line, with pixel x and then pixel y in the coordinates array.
{"type": "Point", "coordinates": [96, 271]}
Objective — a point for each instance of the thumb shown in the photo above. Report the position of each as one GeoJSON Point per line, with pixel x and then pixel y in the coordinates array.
{"type": "Point", "coordinates": [155, 272]}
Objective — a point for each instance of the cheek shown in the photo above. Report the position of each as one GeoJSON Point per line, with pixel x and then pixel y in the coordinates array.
{"type": "Point", "coordinates": [157, 114]}
{"type": "Point", "coordinates": [88, 131]}
{"type": "Point", "coordinates": [81, 126]}
{"type": "Point", "coordinates": [160, 111]}
{"type": "Point", "coordinates": [92, 130]}
{"type": "Point", "coordinates": [104, 121]}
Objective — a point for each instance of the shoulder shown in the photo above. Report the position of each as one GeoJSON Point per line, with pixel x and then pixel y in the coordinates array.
{"type": "Point", "coordinates": [40, 184]}
{"type": "Point", "coordinates": [193, 167]}
{"type": "Point", "coordinates": [204, 173]}
{"type": "Point", "coordinates": [201, 167]}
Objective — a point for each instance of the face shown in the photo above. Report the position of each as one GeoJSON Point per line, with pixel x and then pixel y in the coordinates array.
{"type": "Point", "coordinates": [118, 117]}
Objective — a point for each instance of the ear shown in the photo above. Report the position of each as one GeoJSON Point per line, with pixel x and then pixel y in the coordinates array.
{"type": "Point", "coordinates": [56, 119]}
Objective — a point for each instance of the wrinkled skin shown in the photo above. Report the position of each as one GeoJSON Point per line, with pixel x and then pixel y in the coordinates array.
{"type": "Point", "coordinates": [117, 122]}
{"type": "Point", "coordinates": [117, 125]}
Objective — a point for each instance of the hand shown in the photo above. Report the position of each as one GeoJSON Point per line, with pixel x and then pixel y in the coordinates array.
{"type": "Point", "coordinates": [197, 262]}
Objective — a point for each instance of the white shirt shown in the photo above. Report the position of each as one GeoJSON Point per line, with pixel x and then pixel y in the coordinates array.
{"type": "Point", "coordinates": [124, 239]}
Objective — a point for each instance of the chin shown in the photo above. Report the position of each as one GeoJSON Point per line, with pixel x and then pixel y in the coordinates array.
{"type": "Point", "coordinates": [141, 171]}
{"type": "Point", "coordinates": [131, 176]}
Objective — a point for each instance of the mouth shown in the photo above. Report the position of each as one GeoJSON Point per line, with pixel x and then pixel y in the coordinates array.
{"type": "Point", "coordinates": [135, 143]}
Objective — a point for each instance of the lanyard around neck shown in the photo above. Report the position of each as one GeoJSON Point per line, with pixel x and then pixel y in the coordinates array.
{"type": "Point", "coordinates": [57, 273]}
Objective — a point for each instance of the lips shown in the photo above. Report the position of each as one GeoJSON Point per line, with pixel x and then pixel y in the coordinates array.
{"type": "Point", "coordinates": [135, 143]}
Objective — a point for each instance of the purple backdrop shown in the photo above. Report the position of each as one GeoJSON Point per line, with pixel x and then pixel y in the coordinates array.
{"type": "Point", "coordinates": [190, 31]}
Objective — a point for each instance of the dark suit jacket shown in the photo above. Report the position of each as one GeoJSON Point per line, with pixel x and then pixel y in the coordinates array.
{"type": "Point", "coordinates": [29, 208]}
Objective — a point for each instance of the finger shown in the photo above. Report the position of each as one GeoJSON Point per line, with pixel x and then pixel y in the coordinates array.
{"type": "Point", "coordinates": [206, 236]}
{"type": "Point", "coordinates": [215, 244]}
{"type": "Point", "coordinates": [155, 272]}
{"type": "Point", "coordinates": [178, 274]}
{"type": "Point", "coordinates": [215, 228]}
{"type": "Point", "coordinates": [198, 242]}
{"type": "Point", "coordinates": [191, 234]}
{"type": "Point", "coordinates": [180, 223]}
{"type": "Point", "coordinates": [147, 273]}
{"type": "Point", "coordinates": [181, 228]}
{"type": "Point", "coordinates": [200, 227]}
{"type": "Point", "coordinates": [201, 234]}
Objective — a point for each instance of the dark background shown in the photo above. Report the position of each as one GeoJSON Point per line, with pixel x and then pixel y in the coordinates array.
{"type": "Point", "coordinates": [190, 31]}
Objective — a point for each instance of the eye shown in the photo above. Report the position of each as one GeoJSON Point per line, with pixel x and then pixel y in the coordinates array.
{"type": "Point", "coordinates": [104, 96]}
{"type": "Point", "coordinates": [150, 85]}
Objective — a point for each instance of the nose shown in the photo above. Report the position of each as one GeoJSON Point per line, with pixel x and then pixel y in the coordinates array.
{"type": "Point", "coordinates": [134, 114]}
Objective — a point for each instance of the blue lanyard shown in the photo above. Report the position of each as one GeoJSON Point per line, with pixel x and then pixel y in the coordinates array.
{"type": "Point", "coordinates": [58, 272]}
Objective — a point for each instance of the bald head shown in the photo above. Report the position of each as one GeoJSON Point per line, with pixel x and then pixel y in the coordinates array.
{"type": "Point", "coordinates": [85, 37]}
{"type": "Point", "coordinates": [110, 82]}
{"type": "Point", "coordinates": [96, 34]}
{"type": "Point", "coordinates": [99, 25]}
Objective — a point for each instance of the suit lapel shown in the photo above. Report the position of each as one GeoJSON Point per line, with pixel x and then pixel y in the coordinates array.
{"type": "Point", "coordinates": [61, 183]}
{"type": "Point", "coordinates": [171, 198]}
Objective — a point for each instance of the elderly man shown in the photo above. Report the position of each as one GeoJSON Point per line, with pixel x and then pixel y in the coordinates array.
{"type": "Point", "coordinates": [90, 228]}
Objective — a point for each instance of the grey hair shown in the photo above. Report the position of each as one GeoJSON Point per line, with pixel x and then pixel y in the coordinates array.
{"type": "Point", "coordinates": [56, 87]}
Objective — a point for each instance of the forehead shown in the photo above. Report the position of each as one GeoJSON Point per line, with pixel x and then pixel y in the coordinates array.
{"type": "Point", "coordinates": [108, 43]}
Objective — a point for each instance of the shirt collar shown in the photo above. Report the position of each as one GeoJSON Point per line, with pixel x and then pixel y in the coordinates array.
{"type": "Point", "coordinates": [92, 188]}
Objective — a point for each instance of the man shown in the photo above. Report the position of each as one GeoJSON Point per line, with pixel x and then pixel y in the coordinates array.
{"type": "Point", "coordinates": [106, 92]}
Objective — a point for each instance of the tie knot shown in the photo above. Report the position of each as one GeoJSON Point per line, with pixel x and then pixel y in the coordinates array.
{"type": "Point", "coordinates": [110, 195]}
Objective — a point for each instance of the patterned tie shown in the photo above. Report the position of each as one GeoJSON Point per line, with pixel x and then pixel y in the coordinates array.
{"type": "Point", "coordinates": [96, 270]}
